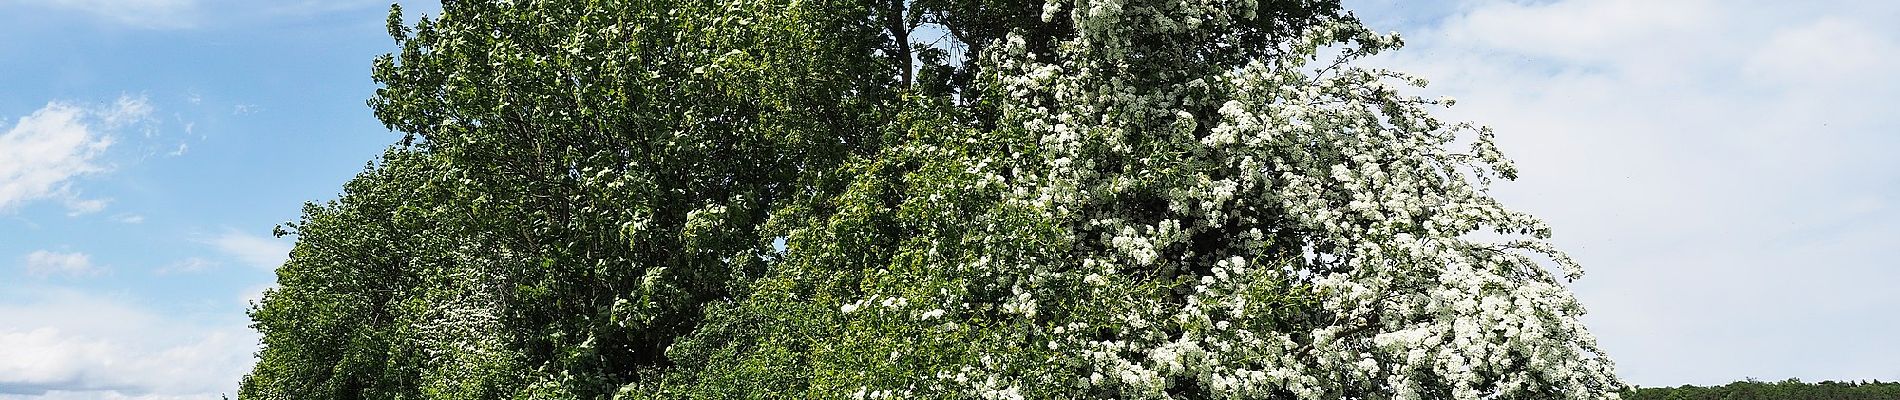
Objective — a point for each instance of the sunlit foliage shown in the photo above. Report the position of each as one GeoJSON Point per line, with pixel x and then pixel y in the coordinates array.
{"type": "Point", "coordinates": [926, 199]}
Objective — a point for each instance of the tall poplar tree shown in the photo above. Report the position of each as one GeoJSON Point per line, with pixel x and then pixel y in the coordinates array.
{"type": "Point", "coordinates": [918, 199]}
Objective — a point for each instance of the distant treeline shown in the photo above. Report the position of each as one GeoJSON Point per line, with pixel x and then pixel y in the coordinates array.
{"type": "Point", "coordinates": [1792, 389]}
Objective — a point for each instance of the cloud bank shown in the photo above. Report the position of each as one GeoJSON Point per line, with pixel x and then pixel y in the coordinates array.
{"type": "Point", "coordinates": [1723, 169]}
{"type": "Point", "coordinates": [69, 344]}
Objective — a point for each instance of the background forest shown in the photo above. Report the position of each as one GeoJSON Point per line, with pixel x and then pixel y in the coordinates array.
{"type": "Point", "coordinates": [1791, 389]}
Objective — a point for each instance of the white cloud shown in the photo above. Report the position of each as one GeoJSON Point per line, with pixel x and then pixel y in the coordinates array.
{"type": "Point", "coordinates": [46, 263]}
{"type": "Point", "coordinates": [49, 149]}
{"type": "Point", "coordinates": [57, 344]}
{"type": "Point", "coordinates": [1723, 169]}
{"type": "Point", "coordinates": [254, 250]}
{"type": "Point", "coordinates": [45, 151]}
{"type": "Point", "coordinates": [157, 14]}
{"type": "Point", "coordinates": [129, 218]}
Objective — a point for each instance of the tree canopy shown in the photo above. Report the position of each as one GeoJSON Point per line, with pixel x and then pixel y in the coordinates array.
{"type": "Point", "coordinates": [917, 199]}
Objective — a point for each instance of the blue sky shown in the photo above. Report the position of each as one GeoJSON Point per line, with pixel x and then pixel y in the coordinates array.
{"type": "Point", "coordinates": [149, 146]}
{"type": "Point", "coordinates": [1722, 169]}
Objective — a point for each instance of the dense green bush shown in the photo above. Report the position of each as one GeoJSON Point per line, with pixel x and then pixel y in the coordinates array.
{"type": "Point", "coordinates": [792, 199]}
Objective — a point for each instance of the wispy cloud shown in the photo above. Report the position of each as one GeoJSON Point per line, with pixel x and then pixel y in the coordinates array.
{"type": "Point", "coordinates": [1722, 169]}
{"type": "Point", "coordinates": [186, 266]}
{"type": "Point", "coordinates": [315, 7]}
{"type": "Point", "coordinates": [155, 14]}
{"type": "Point", "coordinates": [47, 263]}
{"type": "Point", "coordinates": [255, 294]}
{"type": "Point", "coordinates": [126, 111]}
{"type": "Point", "coordinates": [253, 250]}
{"type": "Point", "coordinates": [210, 14]}
{"type": "Point", "coordinates": [77, 207]}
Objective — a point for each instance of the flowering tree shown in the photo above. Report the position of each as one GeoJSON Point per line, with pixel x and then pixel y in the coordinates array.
{"type": "Point", "coordinates": [1087, 198]}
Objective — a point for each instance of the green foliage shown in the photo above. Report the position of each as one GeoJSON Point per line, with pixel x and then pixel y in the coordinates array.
{"type": "Point", "coordinates": [774, 199]}
{"type": "Point", "coordinates": [1791, 389]}
{"type": "Point", "coordinates": [596, 171]}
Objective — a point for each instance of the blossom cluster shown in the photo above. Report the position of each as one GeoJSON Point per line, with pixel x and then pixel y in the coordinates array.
{"type": "Point", "coordinates": [1283, 225]}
